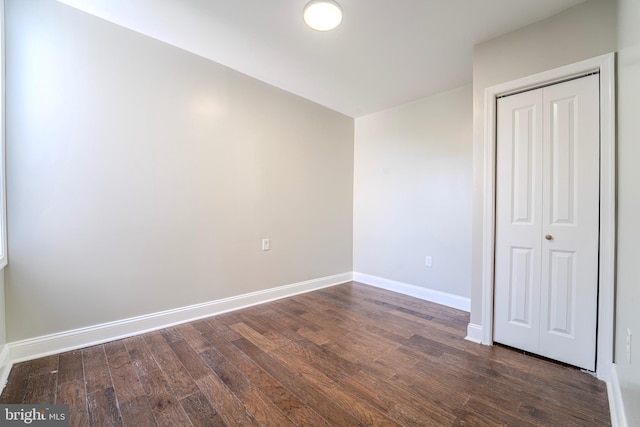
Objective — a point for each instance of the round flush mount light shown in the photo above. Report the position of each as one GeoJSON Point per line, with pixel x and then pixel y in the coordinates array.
{"type": "Point", "coordinates": [322, 15]}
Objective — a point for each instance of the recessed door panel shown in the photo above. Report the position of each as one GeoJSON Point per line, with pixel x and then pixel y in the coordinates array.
{"type": "Point", "coordinates": [523, 134]}
{"type": "Point", "coordinates": [562, 290]}
{"type": "Point", "coordinates": [520, 286]}
{"type": "Point", "coordinates": [562, 140]}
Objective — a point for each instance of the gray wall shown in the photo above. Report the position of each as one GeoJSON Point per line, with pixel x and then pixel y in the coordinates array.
{"type": "Point", "coordinates": [579, 33]}
{"type": "Point", "coordinates": [628, 269]}
{"type": "Point", "coordinates": [143, 178]}
{"type": "Point", "coordinates": [412, 192]}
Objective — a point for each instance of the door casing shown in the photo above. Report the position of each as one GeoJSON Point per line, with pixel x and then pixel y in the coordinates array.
{"type": "Point", "coordinates": [605, 65]}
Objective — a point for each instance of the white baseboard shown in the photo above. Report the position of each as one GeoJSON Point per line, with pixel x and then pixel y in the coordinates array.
{"type": "Point", "coordinates": [84, 337]}
{"type": "Point", "coordinates": [616, 404]}
{"type": "Point", "coordinates": [450, 300]}
{"type": "Point", "coordinates": [474, 333]}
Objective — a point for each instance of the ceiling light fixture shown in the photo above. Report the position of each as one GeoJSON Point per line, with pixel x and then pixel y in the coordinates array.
{"type": "Point", "coordinates": [322, 15]}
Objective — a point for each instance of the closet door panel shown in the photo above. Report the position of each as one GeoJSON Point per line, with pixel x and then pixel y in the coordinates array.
{"type": "Point", "coordinates": [518, 220]}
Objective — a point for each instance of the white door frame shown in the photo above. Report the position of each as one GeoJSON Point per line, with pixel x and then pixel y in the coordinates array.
{"type": "Point", "coordinates": [605, 64]}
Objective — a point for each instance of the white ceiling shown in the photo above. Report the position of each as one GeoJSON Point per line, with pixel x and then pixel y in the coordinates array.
{"type": "Point", "coordinates": [385, 53]}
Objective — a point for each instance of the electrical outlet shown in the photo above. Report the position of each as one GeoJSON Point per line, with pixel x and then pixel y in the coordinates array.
{"type": "Point", "coordinates": [428, 261]}
{"type": "Point", "coordinates": [266, 244]}
{"type": "Point", "coordinates": [629, 345]}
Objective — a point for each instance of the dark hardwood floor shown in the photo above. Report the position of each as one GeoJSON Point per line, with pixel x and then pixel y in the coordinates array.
{"type": "Point", "coordinates": [350, 355]}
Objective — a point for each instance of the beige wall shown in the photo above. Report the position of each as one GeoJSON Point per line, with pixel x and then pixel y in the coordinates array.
{"type": "Point", "coordinates": [579, 33]}
{"type": "Point", "coordinates": [412, 192]}
{"type": "Point", "coordinates": [628, 271]}
{"type": "Point", "coordinates": [142, 178]}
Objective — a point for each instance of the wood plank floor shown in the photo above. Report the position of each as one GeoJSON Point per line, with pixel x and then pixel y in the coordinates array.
{"type": "Point", "coordinates": [350, 355]}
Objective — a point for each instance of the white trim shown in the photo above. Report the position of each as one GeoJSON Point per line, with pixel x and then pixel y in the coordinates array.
{"type": "Point", "coordinates": [5, 366]}
{"type": "Point", "coordinates": [607, 263]}
{"type": "Point", "coordinates": [616, 404]}
{"type": "Point", "coordinates": [488, 216]}
{"type": "Point", "coordinates": [474, 333]}
{"type": "Point", "coordinates": [450, 300]}
{"type": "Point", "coordinates": [606, 65]}
{"type": "Point", "coordinates": [3, 187]}
{"type": "Point", "coordinates": [83, 337]}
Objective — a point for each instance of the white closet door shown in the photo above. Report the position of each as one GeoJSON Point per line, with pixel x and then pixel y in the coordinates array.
{"type": "Point", "coordinates": [547, 218]}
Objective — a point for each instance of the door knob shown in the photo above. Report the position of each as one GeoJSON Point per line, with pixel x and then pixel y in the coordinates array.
{"type": "Point", "coordinates": [548, 237]}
